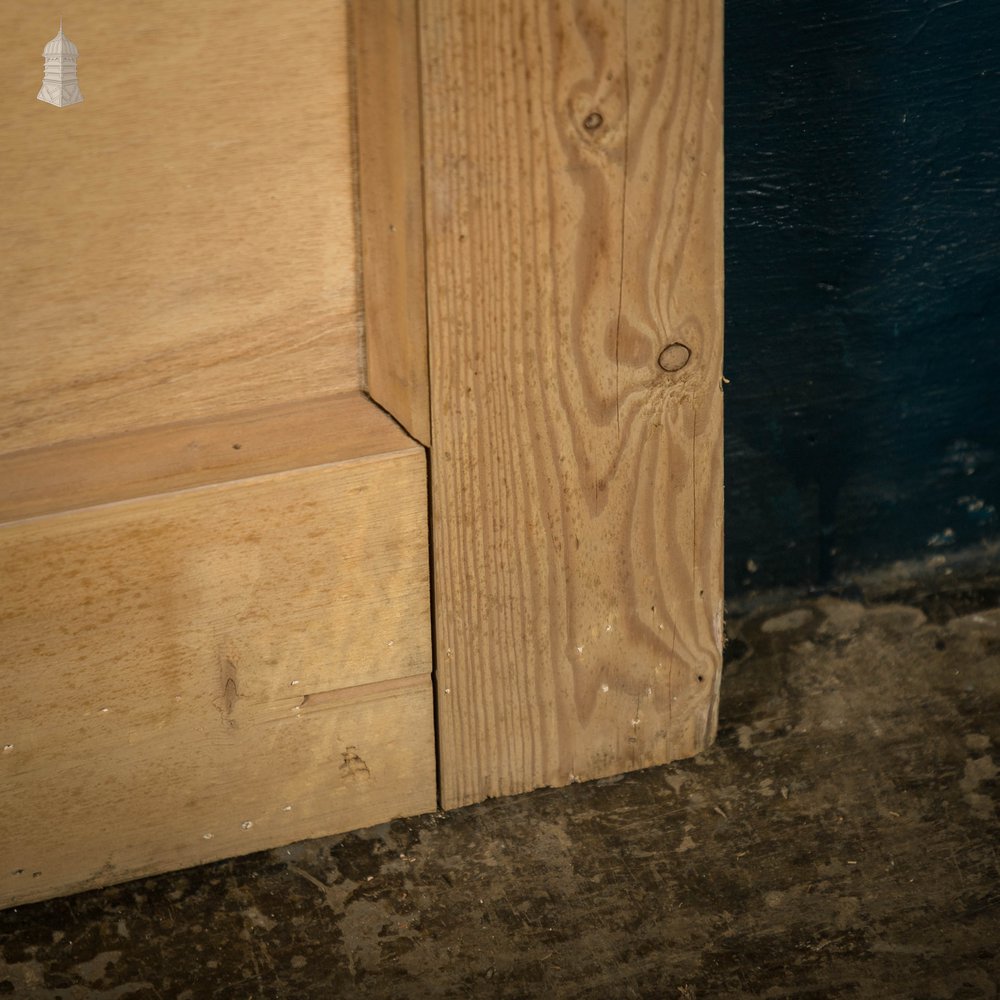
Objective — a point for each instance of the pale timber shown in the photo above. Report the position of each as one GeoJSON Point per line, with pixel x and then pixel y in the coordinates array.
{"type": "Point", "coordinates": [214, 595]}
{"type": "Point", "coordinates": [390, 207]}
{"type": "Point", "coordinates": [181, 244]}
{"type": "Point", "coordinates": [573, 207]}
{"type": "Point", "coordinates": [217, 669]}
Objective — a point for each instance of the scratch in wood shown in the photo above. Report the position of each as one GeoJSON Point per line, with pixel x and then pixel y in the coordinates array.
{"type": "Point", "coordinates": [635, 726]}
{"type": "Point", "coordinates": [670, 687]}
{"type": "Point", "coordinates": [694, 485]}
{"type": "Point", "coordinates": [621, 259]}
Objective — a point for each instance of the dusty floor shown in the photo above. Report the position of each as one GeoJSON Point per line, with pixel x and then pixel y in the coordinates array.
{"type": "Point", "coordinates": [840, 840]}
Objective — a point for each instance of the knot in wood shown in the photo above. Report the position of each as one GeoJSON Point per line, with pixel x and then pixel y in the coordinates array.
{"type": "Point", "coordinates": [593, 121]}
{"type": "Point", "coordinates": [674, 357]}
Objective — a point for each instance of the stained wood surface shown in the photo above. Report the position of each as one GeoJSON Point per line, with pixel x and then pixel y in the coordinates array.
{"type": "Point", "coordinates": [573, 201]}
{"type": "Point", "coordinates": [213, 671]}
{"type": "Point", "coordinates": [199, 453]}
{"type": "Point", "coordinates": [182, 243]}
{"type": "Point", "coordinates": [387, 85]}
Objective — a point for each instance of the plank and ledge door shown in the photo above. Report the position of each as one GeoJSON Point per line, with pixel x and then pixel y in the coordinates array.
{"type": "Point", "coordinates": [572, 184]}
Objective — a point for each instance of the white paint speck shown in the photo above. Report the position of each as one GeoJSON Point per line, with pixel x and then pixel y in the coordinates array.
{"type": "Point", "coordinates": [447, 690]}
{"type": "Point", "coordinates": [579, 649]}
{"type": "Point", "coordinates": [207, 836]}
{"type": "Point", "coordinates": [8, 748]}
{"type": "Point", "coordinates": [103, 710]}
{"type": "Point", "coordinates": [287, 809]}
{"type": "Point", "coordinates": [604, 688]}
{"type": "Point", "coordinates": [635, 723]}
{"type": "Point", "coordinates": [941, 538]}
{"type": "Point", "coordinates": [292, 684]}
{"type": "Point", "coordinates": [247, 824]}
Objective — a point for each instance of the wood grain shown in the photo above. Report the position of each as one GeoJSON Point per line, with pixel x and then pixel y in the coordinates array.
{"type": "Point", "coordinates": [183, 795]}
{"type": "Point", "coordinates": [185, 664]}
{"type": "Point", "coordinates": [199, 453]}
{"type": "Point", "coordinates": [182, 243]}
{"type": "Point", "coordinates": [387, 87]}
{"type": "Point", "coordinates": [573, 203]}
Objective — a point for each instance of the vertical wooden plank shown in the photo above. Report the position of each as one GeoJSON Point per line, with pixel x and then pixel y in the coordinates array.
{"type": "Point", "coordinates": [387, 86]}
{"type": "Point", "coordinates": [573, 205]}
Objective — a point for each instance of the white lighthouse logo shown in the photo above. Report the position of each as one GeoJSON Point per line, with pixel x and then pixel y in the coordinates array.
{"type": "Point", "coordinates": [59, 86]}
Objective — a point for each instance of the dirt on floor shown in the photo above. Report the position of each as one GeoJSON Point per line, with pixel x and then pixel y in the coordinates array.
{"type": "Point", "coordinates": [841, 839]}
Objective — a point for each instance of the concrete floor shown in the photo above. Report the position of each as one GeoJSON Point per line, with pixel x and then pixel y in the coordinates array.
{"type": "Point", "coordinates": [840, 840]}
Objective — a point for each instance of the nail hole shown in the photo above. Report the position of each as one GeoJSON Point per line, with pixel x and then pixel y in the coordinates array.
{"type": "Point", "coordinates": [674, 357]}
{"type": "Point", "coordinates": [236, 447]}
{"type": "Point", "coordinates": [594, 120]}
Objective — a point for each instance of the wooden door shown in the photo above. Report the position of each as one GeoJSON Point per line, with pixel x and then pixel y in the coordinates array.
{"type": "Point", "coordinates": [309, 314]}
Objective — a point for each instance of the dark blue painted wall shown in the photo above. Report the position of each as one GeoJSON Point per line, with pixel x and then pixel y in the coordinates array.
{"type": "Point", "coordinates": [863, 284]}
